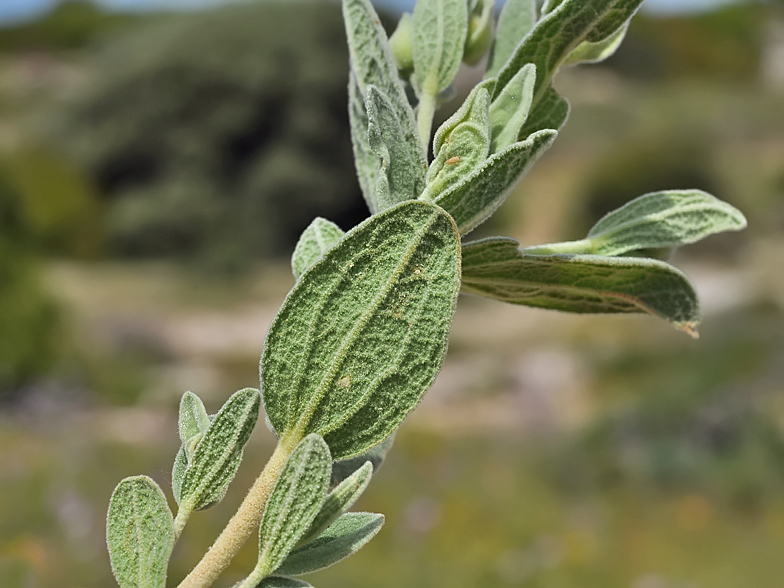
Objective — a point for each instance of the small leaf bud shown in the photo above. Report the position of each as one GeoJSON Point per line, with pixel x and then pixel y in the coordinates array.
{"type": "Point", "coordinates": [402, 45]}
{"type": "Point", "coordinates": [480, 32]}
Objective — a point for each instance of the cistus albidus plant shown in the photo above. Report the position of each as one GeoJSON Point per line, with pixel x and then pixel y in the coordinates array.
{"type": "Point", "coordinates": [363, 333]}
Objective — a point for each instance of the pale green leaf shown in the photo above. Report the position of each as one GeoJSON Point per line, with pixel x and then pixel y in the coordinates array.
{"type": "Point", "coordinates": [320, 236]}
{"type": "Point", "coordinates": [218, 454]}
{"type": "Point", "coordinates": [339, 501]}
{"type": "Point", "coordinates": [480, 31]}
{"type": "Point", "coordinates": [463, 143]}
{"type": "Point", "coordinates": [362, 335]}
{"type": "Point", "coordinates": [589, 52]}
{"type": "Point", "coordinates": [139, 533]}
{"type": "Point", "coordinates": [365, 161]}
{"type": "Point", "coordinates": [440, 30]}
{"type": "Point", "coordinates": [193, 417]}
{"type": "Point", "coordinates": [659, 220]}
{"type": "Point", "coordinates": [401, 43]}
{"type": "Point", "coordinates": [560, 32]}
{"type": "Point", "coordinates": [402, 170]}
{"type": "Point", "coordinates": [516, 20]}
{"type": "Point", "coordinates": [294, 502]}
{"type": "Point", "coordinates": [178, 473]}
{"type": "Point", "coordinates": [551, 112]}
{"type": "Point", "coordinates": [345, 537]}
{"type": "Point", "coordinates": [510, 109]}
{"type": "Point", "coordinates": [498, 269]}
{"type": "Point", "coordinates": [282, 582]}
{"type": "Point", "coordinates": [474, 199]}
{"type": "Point", "coordinates": [376, 455]}
{"type": "Point", "coordinates": [372, 63]}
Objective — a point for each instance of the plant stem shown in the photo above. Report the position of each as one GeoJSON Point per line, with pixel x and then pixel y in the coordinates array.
{"type": "Point", "coordinates": [425, 113]}
{"type": "Point", "coordinates": [242, 524]}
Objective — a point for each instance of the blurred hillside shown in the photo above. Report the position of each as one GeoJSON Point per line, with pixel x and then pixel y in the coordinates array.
{"type": "Point", "coordinates": [155, 172]}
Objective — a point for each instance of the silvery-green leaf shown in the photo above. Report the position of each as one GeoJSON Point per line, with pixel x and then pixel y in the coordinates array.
{"type": "Point", "coordinates": [315, 241]}
{"type": "Point", "coordinates": [517, 19]}
{"type": "Point", "coordinates": [362, 335]}
{"type": "Point", "coordinates": [339, 501]}
{"type": "Point", "coordinates": [294, 502]}
{"type": "Point", "coordinates": [365, 161]}
{"type": "Point", "coordinates": [282, 582]}
{"type": "Point", "coordinates": [551, 112]}
{"type": "Point", "coordinates": [440, 30]}
{"type": "Point", "coordinates": [460, 115]}
{"type": "Point", "coordinates": [560, 32]}
{"type": "Point", "coordinates": [590, 52]}
{"type": "Point", "coordinates": [473, 200]}
{"type": "Point", "coordinates": [345, 537]}
{"type": "Point", "coordinates": [193, 417]}
{"type": "Point", "coordinates": [372, 63]}
{"type": "Point", "coordinates": [510, 109]}
{"type": "Point", "coordinates": [498, 269]}
{"type": "Point", "coordinates": [376, 455]}
{"type": "Point", "coordinates": [402, 171]}
{"type": "Point", "coordinates": [139, 533]}
{"type": "Point", "coordinates": [219, 452]}
{"type": "Point", "coordinates": [178, 473]}
{"type": "Point", "coordinates": [654, 221]}
{"type": "Point", "coordinates": [463, 147]}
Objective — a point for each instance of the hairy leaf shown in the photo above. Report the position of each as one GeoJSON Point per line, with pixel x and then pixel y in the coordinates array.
{"type": "Point", "coordinates": [402, 170]}
{"type": "Point", "coordinates": [510, 109]}
{"type": "Point", "coordinates": [294, 502]}
{"type": "Point", "coordinates": [440, 30]}
{"type": "Point", "coordinates": [376, 456]}
{"type": "Point", "coordinates": [372, 63]}
{"type": "Point", "coordinates": [497, 268]}
{"type": "Point", "coordinates": [193, 419]}
{"type": "Point", "coordinates": [282, 582]}
{"type": "Point", "coordinates": [654, 221]}
{"type": "Point", "coordinates": [219, 452]}
{"type": "Point", "coordinates": [362, 335]}
{"type": "Point", "coordinates": [345, 537]}
{"type": "Point", "coordinates": [463, 143]}
{"type": "Point", "coordinates": [320, 236]}
{"type": "Point", "coordinates": [516, 20]}
{"type": "Point", "coordinates": [480, 193]}
{"type": "Point", "coordinates": [589, 52]}
{"type": "Point", "coordinates": [551, 112]}
{"type": "Point", "coordinates": [339, 501]}
{"type": "Point", "coordinates": [560, 32]}
{"type": "Point", "coordinates": [178, 473]}
{"type": "Point", "coordinates": [139, 533]}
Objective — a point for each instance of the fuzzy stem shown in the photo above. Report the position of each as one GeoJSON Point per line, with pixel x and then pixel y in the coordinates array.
{"type": "Point", "coordinates": [242, 524]}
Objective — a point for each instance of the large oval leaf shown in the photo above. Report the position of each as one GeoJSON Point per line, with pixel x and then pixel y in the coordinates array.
{"type": "Point", "coordinates": [496, 268]}
{"type": "Point", "coordinates": [362, 335]}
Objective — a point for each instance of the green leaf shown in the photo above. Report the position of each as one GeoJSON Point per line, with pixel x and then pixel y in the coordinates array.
{"type": "Point", "coordinates": [551, 112]}
{"type": "Point", "coordinates": [139, 533]}
{"type": "Point", "coordinates": [218, 454]}
{"type": "Point", "coordinates": [517, 19]}
{"type": "Point", "coordinates": [365, 161]}
{"type": "Point", "coordinates": [654, 221]}
{"type": "Point", "coordinates": [193, 419]}
{"type": "Point", "coordinates": [339, 501]}
{"type": "Point", "coordinates": [178, 473]}
{"type": "Point", "coordinates": [345, 537]}
{"type": "Point", "coordinates": [294, 502]}
{"type": "Point", "coordinates": [588, 52]}
{"type": "Point", "coordinates": [320, 236]}
{"type": "Point", "coordinates": [402, 170]}
{"type": "Point", "coordinates": [496, 268]}
{"type": "Point", "coordinates": [362, 335]}
{"type": "Point", "coordinates": [372, 63]}
{"type": "Point", "coordinates": [510, 109]}
{"type": "Point", "coordinates": [376, 456]}
{"type": "Point", "coordinates": [440, 30]}
{"type": "Point", "coordinates": [282, 582]}
{"type": "Point", "coordinates": [559, 33]}
{"type": "Point", "coordinates": [480, 31]}
{"type": "Point", "coordinates": [480, 193]}
{"type": "Point", "coordinates": [461, 144]}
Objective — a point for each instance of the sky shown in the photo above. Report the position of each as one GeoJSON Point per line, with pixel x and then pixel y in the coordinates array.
{"type": "Point", "coordinates": [20, 10]}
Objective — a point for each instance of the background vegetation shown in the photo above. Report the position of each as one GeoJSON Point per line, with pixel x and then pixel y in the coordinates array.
{"type": "Point", "coordinates": [155, 172]}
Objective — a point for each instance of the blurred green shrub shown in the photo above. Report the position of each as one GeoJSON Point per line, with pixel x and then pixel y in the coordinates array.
{"type": "Point", "coordinates": [219, 135]}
